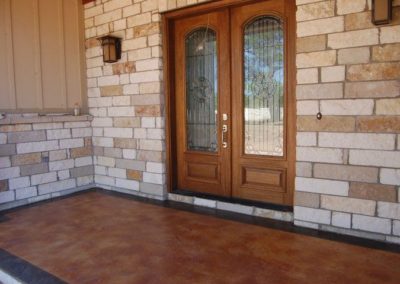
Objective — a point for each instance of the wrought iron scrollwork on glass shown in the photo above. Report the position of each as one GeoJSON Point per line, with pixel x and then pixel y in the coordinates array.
{"type": "Point", "coordinates": [201, 90]}
{"type": "Point", "coordinates": [264, 86]}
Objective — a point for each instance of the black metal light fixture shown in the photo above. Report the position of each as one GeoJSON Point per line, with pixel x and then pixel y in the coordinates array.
{"type": "Point", "coordinates": [381, 12]}
{"type": "Point", "coordinates": [111, 48]}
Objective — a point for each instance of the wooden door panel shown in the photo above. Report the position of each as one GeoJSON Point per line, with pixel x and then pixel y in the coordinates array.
{"type": "Point", "coordinates": [259, 173]}
{"type": "Point", "coordinates": [205, 171]}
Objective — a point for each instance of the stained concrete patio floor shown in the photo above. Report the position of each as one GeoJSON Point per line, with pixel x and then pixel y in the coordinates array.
{"type": "Point", "coordinates": [96, 237]}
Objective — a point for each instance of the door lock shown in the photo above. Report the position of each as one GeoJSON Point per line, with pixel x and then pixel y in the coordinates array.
{"type": "Point", "coordinates": [224, 130]}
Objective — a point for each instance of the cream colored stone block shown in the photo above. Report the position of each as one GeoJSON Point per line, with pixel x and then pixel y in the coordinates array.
{"type": "Point", "coordinates": [388, 106]}
{"type": "Point", "coordinates": [121, 111]}
{"type": "Point", "coordinates": [307, 107]}
{"type": "Point", "coordinates": [136, 43]}
{"type": "Point", "coordinates": [333, 74]}
{"type": "Point", "coordinates": [390, 176]}
{"type": "Point", "coordinates": [131, 89]}
{"type": "Point", "coordinates": [307, 76]}
{"type": "Point", "coordinates": [115, 4]}
{"type": "Point", "coordinates": [146, 76]}
{"type": "Point", "coordinates": [143, 53]}
{"type": "Point", "coordinates": [354, 55]}
{"type": "Point", "coordinates": [349, 205]}
{"type": "Point", "coordinates": [312, 215]}
{"type": "Point", "coordinates": [378, 89]}
{"type": "Point", "coordinates": [105, 161]}
{"type": "Point", "coordinates": [347, 107]}
{"type": "Point", "coordinates": [322, 155]}
{"type": "Point", "coordinates": [108, 80]}
{"type": "Point", "coordinates": [306, 139]}
{"type": "Point", "coordinates": [390, 34]}
{"type": "Point", "coordinates": [108, 17]}
{"type": "Point", "coordinates": [340, 219]}
{"type": "Point", "coordinates": [319, 91]}
{"type": "Point", "coordinates": [389, 159]}
{"type": "Point", "coordinates": [149, 5]}
{"type": "Point", "coordinates": [315, 11]}
{"type": "Point", "coordinates": [316, 59]}
{"type": "Point", "coordinates": [353, 38]}
{"type": "Point", "coordinates": [103, 141]}
{"type": "Point", "coordinates": [94, 11]}
{"type": "Point", "coordinates": [321, 26]}
{"type": "Point", "coordinates": [389, 210]}
{"type": "Point", "coordinates": [148, 64]}
{"type": "Point", "coordinates": [121, 101]}
{"type": "Point", "coordinates": [357, 140]}
{"type": "Point", "coordinates": [371, 224]}
{"type": "Point", "coordinates": [349, 7]}
{"type": "Point", "coordinates": [131, 10]}
{"type": "Point", "coordinates": [118, 132]}
{"type": "Point", "coordinates": [138, 20]}
{"type": "Point", "coordinates": [322, 186]}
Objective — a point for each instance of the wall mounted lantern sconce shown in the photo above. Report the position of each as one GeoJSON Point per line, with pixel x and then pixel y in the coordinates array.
{"type": "Point", "coordinates": [381, 12]}
{"type": "Point", "coordinates": [111, 48]}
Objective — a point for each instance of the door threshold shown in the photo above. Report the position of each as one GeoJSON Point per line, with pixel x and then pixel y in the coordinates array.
{"type": "Point", "coordinates": [248, 207]}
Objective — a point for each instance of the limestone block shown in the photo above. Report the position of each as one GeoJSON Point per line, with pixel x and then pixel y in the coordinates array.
{"type": "Point", "coordinates": [20, 182]}
{"type": "Point", "coordinates": [128, 184]}
{"type": "Point", "coordinates": [378, 124]}
{"type": "Point", "coordinates": [26, 136]}
{"type": "Point", "coordinates": [307, 76]}
{"type": "Point", "coordinates": [349, 205]}
{"type": "Point", "coordinates": [323, 155]}
{"type": "Point", "coordinates": [390, 159]}
{"type": "Point", "coordinates": [353, 55]}
{"type": "Point", "coordinates": [322, 186]}
{"type": "Point", "coordinates": [371, 224]}
{"type": "Point", "coordinates": [43, 178]}
{"type": "Point", "coordinates": [306, 199]}
{"type": "Point", "coordinates": [333, 74]}
{"type": "Point", "coordinates": [312, 215]}
{"type": "Point", "coordinates": [349, 7]}
{"type": "Point", "coordinates": [357, 140]}
{"type": "Point", "coordinates": [26, 159]}
{"type": "Point", "coordinates": [373, 191]}
{"type": "Point", "coordinates": [347, 107]}
{"type": "Point", "coordinates": [319, 91]}
{"type": "Point", "coordinates": [320, 26]}
{"type": "Point", "coordinates": [53, 134]}
{"type": "Point", "coordinates": [373, 71]}
{"type": "Point", "coordinates": [315, 11]}
{"type": "Point", "coordinates": [340, 219]}
{"type": "Point", "coordinates": [343, 172]}
{"type": "Point", "coordinates": [353, 38]}
{"type": "Point", "coordinates": [390, 176]}
{"type": "Point", "coordinates": [32, 147]}
{"type": "Point", "coordinates": [316, 59]}
{"type": "Point", "coordinates": [388, 106]}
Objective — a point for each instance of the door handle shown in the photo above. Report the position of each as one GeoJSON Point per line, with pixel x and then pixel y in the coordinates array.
{"type": "Point", "coordinates": [224, 131]}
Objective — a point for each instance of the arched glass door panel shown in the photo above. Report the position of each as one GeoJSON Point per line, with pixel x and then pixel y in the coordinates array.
{"type": "Point", "coordinates": [201, 90]}
{"type": "Point", "coordinates": [264, 87]}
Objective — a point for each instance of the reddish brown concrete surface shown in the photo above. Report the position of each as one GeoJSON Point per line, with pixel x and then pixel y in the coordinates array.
{"type": "Point", "coordinates": [98, 238]}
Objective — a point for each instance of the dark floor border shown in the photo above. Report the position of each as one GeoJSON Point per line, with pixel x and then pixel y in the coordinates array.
{"type": "Point", "coordinates": [25, 271]}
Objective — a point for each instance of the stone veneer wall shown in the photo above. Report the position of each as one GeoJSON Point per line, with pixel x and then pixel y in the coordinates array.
{"type": "Point", "coordinates": [348, 173]}
{"type": "Point", "coordinates": [43, 157]}
{"type": "Point", "coordinates": [348, 170]}
{"type": "Point", "coordinates": [126, 98]}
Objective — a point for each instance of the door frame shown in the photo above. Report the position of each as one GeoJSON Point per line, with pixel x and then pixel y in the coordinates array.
{"type": "Point", "coordinates": [167, 19]}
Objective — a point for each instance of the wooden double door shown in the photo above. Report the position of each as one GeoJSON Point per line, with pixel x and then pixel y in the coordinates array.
{"type": "Point", "coordinates": [234, 106]}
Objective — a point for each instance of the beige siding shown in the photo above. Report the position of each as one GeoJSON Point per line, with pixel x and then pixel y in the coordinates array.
{"type": "Point", "coordinates": [41, 54]}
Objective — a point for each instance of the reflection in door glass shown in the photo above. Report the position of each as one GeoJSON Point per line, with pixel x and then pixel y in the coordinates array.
{"type": "Point", "coordinates": [264, 87]}
{"type": "Point", "coordinates": [201, 91]}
